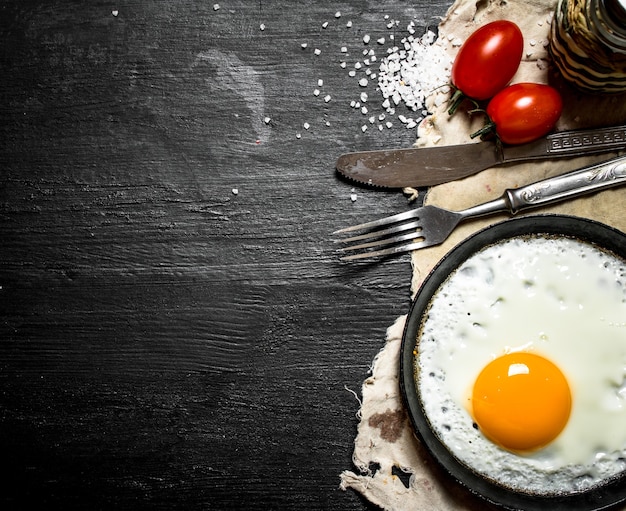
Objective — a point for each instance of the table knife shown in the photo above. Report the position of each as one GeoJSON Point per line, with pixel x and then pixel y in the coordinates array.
{"type": "Point", "coordinates": [429, 166]}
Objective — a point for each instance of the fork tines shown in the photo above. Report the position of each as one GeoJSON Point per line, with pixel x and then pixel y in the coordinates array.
{"type": "Point", "coordinates": [383, 237]}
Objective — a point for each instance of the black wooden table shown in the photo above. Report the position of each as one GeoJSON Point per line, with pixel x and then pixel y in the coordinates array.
{"type": "Point", "coordinates": [176, 331]}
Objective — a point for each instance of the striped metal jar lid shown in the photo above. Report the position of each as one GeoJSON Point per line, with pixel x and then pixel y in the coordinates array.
{"type": "Point", "coordinates": [581, 54]}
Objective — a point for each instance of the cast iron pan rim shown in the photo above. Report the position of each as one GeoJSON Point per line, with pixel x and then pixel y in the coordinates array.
{"type": "Point", "coordinates": [603, 497]}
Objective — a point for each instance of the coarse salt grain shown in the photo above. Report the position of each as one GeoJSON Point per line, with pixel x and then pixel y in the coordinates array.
{"type": "Point", "coordinates": [216, 7]}
{"type": "Point", "coordinates": [409, 75]}
{"type": "Point", "coordinates": [413, 69]}
{"type": "Point", "coordinates": [306, 125]}
{"type": "Point", "coordinates": [317, 51]}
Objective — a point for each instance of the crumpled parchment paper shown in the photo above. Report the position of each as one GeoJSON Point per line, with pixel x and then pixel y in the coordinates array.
{"type": "Point", "coordinates": [385, 446]}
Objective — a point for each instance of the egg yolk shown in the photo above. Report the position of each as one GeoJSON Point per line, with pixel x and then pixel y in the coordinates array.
{"type": "Point", "coordinates": [521, 401]}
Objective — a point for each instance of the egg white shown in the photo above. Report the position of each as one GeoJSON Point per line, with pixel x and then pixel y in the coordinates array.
{"type": "Point", "coordinates": [558, 297]}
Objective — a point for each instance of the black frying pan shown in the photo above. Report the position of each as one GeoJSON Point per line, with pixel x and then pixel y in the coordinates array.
{"type": "Point", "coordinates": [602, 497]}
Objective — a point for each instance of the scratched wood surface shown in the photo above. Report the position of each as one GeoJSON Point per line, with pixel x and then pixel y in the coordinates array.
{"type": "Point", "coordinates": [175, 329]}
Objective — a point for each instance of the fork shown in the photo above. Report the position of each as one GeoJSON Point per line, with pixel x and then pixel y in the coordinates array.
{"type": "Point", "coordinates": [430, 225]}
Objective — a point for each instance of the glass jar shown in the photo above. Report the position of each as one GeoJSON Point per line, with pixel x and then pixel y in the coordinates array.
{"type": "Point", "coordinates": [588, 44]}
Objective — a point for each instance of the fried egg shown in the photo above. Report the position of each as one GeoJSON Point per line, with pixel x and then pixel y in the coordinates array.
{"type": "Point", "coordinates": [521, 364]}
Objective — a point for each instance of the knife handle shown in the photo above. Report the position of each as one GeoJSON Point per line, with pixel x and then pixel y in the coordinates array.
{"type": "Point", "coordinates": [569, 143]}
{"type": "Point", "coordinates": [599, 139]}
{"type": "Point", "coordinates": [567, 186]}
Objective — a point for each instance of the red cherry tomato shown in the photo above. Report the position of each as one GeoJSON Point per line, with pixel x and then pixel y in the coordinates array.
{"type": "Point", "coordinates": [487, 61]}
{"type": "Point", "coordinates": [524, 112]}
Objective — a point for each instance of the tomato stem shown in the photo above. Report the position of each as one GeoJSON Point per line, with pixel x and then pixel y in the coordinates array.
{"type": "Point", "coordinates": [477, 110]}
{"type": "Point", "coordinates": [485, 131]}
{"type": "Point", "coordinates": [455, 100]}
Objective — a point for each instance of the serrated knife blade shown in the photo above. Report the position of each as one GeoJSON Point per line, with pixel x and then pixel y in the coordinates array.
{"type": "Point", "coordinates": [429, 166]}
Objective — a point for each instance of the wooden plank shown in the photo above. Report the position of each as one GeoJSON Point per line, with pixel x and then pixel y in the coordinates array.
{"type": "Point", "coordinates": [165, 342]}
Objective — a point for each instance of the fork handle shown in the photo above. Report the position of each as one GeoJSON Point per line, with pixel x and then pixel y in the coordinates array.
{"type": "Point", "coordinates": [567, 186]}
